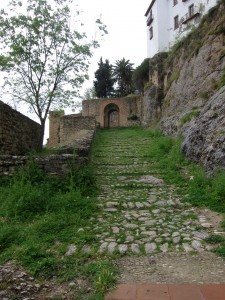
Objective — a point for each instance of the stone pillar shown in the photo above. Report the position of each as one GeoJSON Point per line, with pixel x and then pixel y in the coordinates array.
{"type": "Point", "coordinates": [54, 128]}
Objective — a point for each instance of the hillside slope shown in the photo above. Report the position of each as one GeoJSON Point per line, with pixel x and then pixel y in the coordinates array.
{"type": "Point", "coordinates": [187, 94]}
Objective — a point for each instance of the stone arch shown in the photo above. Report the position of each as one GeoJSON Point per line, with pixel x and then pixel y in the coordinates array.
{"type": "Point", "coordinates": [111, 116]}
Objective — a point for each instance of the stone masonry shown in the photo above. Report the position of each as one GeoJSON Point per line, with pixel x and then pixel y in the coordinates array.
{"type": "Point", "coordinates": [18, 133]}
{"type": "Point", "coordinates": [114, 112]}
{"type": "Point", "coordinates": [68, 130]}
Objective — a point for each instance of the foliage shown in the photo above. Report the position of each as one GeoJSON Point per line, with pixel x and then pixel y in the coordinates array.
{"type": "Point", "coordinates": [41, 216]}
{"type": "Point", "coordinates": [141, 75]}
{"type": "Point", "coordinates": [29, 192]}
{"type": "Point", "coordinates": [103, 274]}
{"type": "Point", "coordinates": [104, 81]}
{"type": "Point", "coordinates": [122, 72]}
{"type": "Point", "coordinates": [89, 94]}
{"type": "Point", "coordinates": [132, 117]}
{"type": "Point", "coordinates": [45, 57]}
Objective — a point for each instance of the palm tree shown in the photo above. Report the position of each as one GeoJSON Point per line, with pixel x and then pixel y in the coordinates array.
{"type": "Point", "coordinates": [122, 72]}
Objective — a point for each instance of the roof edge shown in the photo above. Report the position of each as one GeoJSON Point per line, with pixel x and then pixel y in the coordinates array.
{"type": "Point", "coordinates": [149, 8]}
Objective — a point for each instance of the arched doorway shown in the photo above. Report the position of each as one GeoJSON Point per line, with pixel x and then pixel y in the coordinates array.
{"type": "Point", "coordinates": [111, 116]}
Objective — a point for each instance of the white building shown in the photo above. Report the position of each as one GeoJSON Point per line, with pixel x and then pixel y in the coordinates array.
{"type": "Point", "coordinates": [169, 20]}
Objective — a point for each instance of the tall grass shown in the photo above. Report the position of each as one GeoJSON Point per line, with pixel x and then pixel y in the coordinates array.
{"type": "Point", "coordinates": [37, 211]}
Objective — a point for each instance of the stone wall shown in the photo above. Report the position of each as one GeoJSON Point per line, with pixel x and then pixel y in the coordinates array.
{"type": "Point", "coordinates": [18, 133]}
{"type": "Point", "coordinates": [53, 165]}
{"type": "Point", "coordinates": [73, 127]}
{"type": "Point", "coordinates": [67, 130]}
{"type": "Point", "coordinates": [128, 110]}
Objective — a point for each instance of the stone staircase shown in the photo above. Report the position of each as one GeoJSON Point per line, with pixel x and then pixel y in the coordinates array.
{"type": "Point", "coordinates": [139, 212]}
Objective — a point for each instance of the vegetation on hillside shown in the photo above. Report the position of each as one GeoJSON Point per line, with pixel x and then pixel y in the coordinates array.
{"type": "Point", "coordinates": [141, 75]}
{"type": "Point", "coordinates": [211, 24]}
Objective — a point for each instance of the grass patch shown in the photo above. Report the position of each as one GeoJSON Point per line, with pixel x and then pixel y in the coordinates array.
{"type": "Point", "coordinates": [204, 95]}
{"type": "Point", "coordinates": [174, 76]}
{"type": "Point", "coordinates": [41, 216]}
{"type": "Point", "coordinates": [215, 239]}
{"type": "Point", "coordinates": [103, 275]}
{"type": "Point", "coordinates": [189, 116]}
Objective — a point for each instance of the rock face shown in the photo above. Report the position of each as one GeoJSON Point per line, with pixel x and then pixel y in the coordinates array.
{"type": "Point", "coordinates": [193, 87]}
{"type": "Point", "coordinates": [205, 138]}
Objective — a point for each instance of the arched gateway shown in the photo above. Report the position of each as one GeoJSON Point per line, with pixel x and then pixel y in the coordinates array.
{"type": "Point", "coordinates": [111, 116]}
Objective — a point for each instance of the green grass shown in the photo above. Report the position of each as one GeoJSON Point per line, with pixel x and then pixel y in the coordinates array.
{"type": "Point", "coordinates": [103, 275]}
{"type": "Point", "coordinates": [189, 116]}
{"type": "Point", "coordinates": [40, 217]}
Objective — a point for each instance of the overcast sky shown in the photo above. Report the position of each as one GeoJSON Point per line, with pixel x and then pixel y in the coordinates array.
{"type": "Point", "coordinates": [126, 27]}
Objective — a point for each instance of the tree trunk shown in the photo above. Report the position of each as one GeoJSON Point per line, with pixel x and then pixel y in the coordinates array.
{"type": "Point", "coordinates": [41, 140]}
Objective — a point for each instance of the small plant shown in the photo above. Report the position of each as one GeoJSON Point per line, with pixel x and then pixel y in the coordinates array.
{"type": "Point", "coordinates": [103, 274]}
{"type": "Point", "coordinates": [148, 85]}
{"type": "Point", "coordinates": [215, 84]}
{"type": "Point", "coordinates": [215, 239]}
{"type": "Point", "coordinates": [222, 79]}
{"type": "Point", "coordinates": [57, 113]}
{"type": "Point", "coordinates": [204, 95]}
{"type": "Point", "coordinates": [189, 116]}
{"type": "Point", "coordinates": [174, 76]}
{"type": "Point", "coordinates": [132, 118]}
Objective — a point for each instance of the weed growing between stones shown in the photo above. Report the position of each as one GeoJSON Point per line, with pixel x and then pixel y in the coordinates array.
{"type": "Point", "coordinates": [189, 116]}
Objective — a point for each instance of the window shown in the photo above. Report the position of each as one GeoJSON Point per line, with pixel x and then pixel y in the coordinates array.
{"type": "Point", "coordinates": [175, 2]}
{"type": "Point", "coordinates": [191, 10]}
{"type": "Point", "coordinates": [176, 22]}
{"type": "Point", "coordinates": [151, 33]}
{"type": "Point", "coordinates": [150, 16]}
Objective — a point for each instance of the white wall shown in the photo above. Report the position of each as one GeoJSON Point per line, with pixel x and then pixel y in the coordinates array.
{"type": "Point", "coordinates": [153, 44]}
{"type": "Point", "coordinates": [163, 24]}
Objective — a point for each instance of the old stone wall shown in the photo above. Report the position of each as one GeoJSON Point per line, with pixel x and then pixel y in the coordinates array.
{"type": "Point", "coordinates": [73, 127]}
{"type": "Point", "coordinates": [18, 133]}
{"type": "Point", "coordinates": [70, 130]}
{"type": "Point", "coordinates": [53, 165]}
{"type": "Point", "coordinates": [67, 130]}
{"type": "Point", "coordinates": [128, 111]}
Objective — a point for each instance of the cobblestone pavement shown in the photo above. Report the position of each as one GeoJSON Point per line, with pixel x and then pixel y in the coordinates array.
{"type": "Point", "coordinates": [140, 213]}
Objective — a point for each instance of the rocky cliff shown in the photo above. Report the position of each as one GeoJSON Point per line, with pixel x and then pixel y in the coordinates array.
{"type": "Point", "coordinates": [192, 98]}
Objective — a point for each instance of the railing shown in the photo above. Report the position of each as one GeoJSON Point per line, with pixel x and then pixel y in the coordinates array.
{"type": "Point", "coordinates": [190, 15]}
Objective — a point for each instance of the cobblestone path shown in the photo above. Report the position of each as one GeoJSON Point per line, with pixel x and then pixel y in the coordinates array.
{"type": "Point", "coordinates": [140, 214]}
